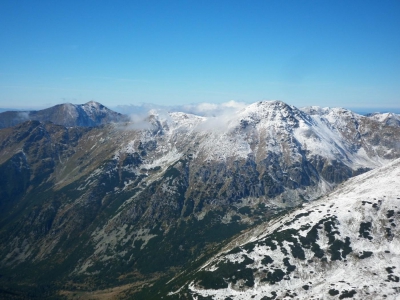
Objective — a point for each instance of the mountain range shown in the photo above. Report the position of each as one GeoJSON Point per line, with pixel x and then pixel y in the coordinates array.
{"type": "Point", "coordinates": [121, 207]}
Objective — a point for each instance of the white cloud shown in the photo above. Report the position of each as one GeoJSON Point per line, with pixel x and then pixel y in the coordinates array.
{"type": "Point", "coordinates": [202, 109]}
{"type": "Point", "coordinates": [22, 116]}
{"type": "Point", "coordinates": [212, 109]}
{"type": "Point", "coordinates": [143, 119]}
{"type": "Point", "coordinates": [218, 116]}
{"type": "Point", "coordinates": [139, 121]}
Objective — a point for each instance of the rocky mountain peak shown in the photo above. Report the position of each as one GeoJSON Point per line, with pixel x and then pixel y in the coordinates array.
{"type": "Point", "coordinates": [93, 103]}
{"type": "Point", "coordinates": [270, 111]}
{"type": "Point", "coordinates": [67, 114]}
{"type": "Point", "coordinates": [94, 107]}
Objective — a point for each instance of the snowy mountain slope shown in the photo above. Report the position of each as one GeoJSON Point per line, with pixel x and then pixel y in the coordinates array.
{"type": "Point", "coordinates": [345, 245]}
{"type": "Point", "coordinates": [315, 150]}
{"type": "Point", "coordinates": [390, 119]}
{"type": "Point", "coordinates": [354, 133]}
{"type": "Point", "coordinates": [273, 126]}
{"type": "Point", "coordinates": [320, 131]}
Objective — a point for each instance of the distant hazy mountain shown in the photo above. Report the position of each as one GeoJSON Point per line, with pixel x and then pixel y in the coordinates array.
{"type": "Point", "coordinates": [88, 114]}
{"type": "Point", "coordinates": [133, 204]}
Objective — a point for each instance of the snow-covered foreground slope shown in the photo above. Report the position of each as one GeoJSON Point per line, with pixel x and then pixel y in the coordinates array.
{"type": "Point", "coordinates": [345, 245]}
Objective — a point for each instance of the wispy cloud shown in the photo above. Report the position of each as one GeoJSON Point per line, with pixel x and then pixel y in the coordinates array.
{"type": "Point", "coordinates": [218, 116]}
{"type": "Point", "coordinates": [201, 109]}
{"type": "Point", "coordinates": [213, 109]}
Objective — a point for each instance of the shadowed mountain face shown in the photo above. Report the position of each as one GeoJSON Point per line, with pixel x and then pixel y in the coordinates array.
{"type": "Point", "coordinates": [87, 115]}
{"type": "Point", "coordinates": [133, 204]}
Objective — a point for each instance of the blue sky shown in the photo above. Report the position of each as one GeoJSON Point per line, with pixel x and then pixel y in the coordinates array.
{"type": "Point", "coordinates": [327, 53]}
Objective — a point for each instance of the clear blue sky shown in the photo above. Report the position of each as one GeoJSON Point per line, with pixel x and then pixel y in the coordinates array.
{"type": "Point", "coordinates": [328, 53]}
